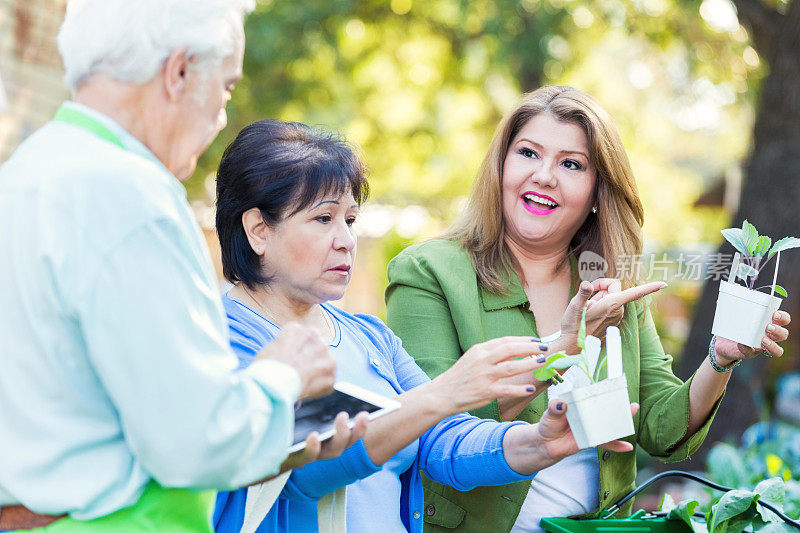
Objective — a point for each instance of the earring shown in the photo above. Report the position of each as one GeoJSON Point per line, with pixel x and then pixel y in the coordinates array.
{"type": "Point", "coordinates": [594, 209]}
{"type": "Point", "coordinates": [257, 250]}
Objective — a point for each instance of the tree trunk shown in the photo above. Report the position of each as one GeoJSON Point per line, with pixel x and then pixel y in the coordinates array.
{"type": "Point", "coordinates": [771, 201]}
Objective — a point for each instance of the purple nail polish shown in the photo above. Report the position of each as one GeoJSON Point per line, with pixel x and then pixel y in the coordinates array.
{"type": "Point", "coordinates": [534, 339]}
{"type": "Point", "coordinates": [531, 389]}
{"type": "Point", "coordinates": [541, 360]}
{"type": "Point", "coordinates": [559, 406]}
{"type": "Point", "coordinates": [543, 347]}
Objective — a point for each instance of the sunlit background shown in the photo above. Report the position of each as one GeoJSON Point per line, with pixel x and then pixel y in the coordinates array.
{"type": "Point", "coordinates": [419, 87]}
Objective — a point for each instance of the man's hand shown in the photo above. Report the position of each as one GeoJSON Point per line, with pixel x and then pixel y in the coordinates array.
{"type": "Point", "coordinates": [301, 348]}
{"type": "Point", "coordinates": [330, 448]}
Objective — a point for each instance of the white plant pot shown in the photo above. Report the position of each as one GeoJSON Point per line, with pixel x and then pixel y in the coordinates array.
{"type": "Point", "coordinates": [599, 412]}
{"type": "Point", "coordinates": [742, 314]}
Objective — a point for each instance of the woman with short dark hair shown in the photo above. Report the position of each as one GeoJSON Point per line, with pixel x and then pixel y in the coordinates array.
{"type": "Point", "coordinates": [287, 199]}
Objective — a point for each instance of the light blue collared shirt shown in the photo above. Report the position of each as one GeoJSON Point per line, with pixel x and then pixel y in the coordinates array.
{"type": "Point", "coordinates": [115, 366]}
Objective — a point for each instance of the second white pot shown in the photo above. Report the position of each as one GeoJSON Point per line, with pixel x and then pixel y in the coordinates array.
{"type": "Point", "coordinates": [742, 314]}
{"type": "Point", "coordinates": [599, 412]}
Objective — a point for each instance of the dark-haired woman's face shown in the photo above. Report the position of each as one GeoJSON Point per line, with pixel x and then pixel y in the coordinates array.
{"type": "Point", "coordinates": [311, 253]}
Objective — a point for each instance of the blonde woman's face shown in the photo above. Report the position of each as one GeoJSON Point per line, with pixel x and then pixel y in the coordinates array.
{"type": "Point", "coordinates": [548, 183]}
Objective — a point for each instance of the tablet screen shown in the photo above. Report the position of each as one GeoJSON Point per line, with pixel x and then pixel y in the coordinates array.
{"type": "Point", "coordinates": [318, 414]}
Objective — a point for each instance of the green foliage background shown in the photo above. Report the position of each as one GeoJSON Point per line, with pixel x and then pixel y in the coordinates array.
{"type": "Point", "coordinates": [420, 87]}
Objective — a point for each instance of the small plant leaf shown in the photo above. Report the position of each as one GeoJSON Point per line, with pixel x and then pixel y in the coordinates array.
{"type": "Point", "coordinates": [546, 372]}
{"type": "Point", "coordinates": [763, 245]}
{"type": "Point", "coordinates": [780, 290]}
{"type": "Point", "coordinates": [599, 370]}
{"type": "Point", "coordinates": [726, 466]}
{"type": "Point", "coordinates": [787, 243]}
{"type": "Point", "coordinates": [566, 361]}
{"type": "Point", "coordinates": [667, 503]}
{"type": "Point", "coordinates": [735, 236]}
{"type": "Point", "coordinates": [750, 237]}
{"type": "Point", "coordinates": [582, 331]}
{"type": "Point", "coordinates": [777, 527]}
{"type": "Point", "coordinates": [733, 512]}
{"type": "Point", "coordinates": [746, 271]}
{"type": "Point", "coordinates": [772, 491]}
{"type": "Point", "coordinates": [684, 511]}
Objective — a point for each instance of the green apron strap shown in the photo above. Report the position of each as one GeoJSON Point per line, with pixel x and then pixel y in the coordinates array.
{"type": "Point", "coordinates": [71, 116]}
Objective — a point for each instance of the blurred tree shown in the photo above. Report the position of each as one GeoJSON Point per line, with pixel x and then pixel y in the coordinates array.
{"type": "Point", "coordinates": [420, 86]}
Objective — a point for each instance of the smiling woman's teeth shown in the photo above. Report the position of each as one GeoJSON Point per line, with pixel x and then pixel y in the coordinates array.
{"type": "Point", "coordinates": [530, 199]}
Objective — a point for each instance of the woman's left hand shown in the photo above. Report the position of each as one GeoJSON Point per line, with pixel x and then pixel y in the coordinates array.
{"type": "Point", "coordinates": [531, 448]}
{"type": "Point", "coordinates": [728, 351]}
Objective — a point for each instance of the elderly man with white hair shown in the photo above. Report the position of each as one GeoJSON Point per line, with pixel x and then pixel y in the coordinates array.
{"type": "Point", "coordinates": [119, 394]}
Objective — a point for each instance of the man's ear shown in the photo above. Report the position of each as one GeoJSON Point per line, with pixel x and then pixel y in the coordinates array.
{"type": "Point", "coordinates": [174, 70]}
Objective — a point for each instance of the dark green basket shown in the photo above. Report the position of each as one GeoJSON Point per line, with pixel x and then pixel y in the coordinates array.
{"type": "Point", "coordinates": [639, 521]}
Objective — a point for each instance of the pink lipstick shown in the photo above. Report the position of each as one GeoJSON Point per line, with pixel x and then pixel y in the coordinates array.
{"type": "Point", "coordinates": [532, 200]}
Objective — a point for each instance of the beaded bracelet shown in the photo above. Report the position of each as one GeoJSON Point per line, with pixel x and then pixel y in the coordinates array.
{"type": "Point", "coordinates": [716, 366]}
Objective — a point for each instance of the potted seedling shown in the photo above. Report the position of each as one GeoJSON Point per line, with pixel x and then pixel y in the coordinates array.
{"type": "Point", "coordinates": [743, 311]}
{"type": "Point", "coordinates": [598, 410]}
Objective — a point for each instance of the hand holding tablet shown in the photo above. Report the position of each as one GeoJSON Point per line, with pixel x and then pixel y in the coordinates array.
{"type": "Point", "coordinates": [328, 416]}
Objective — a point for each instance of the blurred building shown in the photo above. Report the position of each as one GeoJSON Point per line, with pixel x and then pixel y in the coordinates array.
{"type": "Point", "coordinates": [30, 67]}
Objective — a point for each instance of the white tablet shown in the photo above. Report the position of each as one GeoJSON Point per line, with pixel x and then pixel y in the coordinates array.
{"type": "Point", "coordinates": [318, 414]}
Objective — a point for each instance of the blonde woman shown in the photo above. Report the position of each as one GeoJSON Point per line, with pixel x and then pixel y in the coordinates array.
{"type": "Point", "coordinates": [555, 182]}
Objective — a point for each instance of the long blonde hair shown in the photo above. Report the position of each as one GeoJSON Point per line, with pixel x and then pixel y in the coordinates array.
{"type": "Point", "coordinates": [614, 231]}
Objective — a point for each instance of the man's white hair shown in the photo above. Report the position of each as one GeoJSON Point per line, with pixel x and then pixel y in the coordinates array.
{"type": "Point", "coordinates": [128, 40]}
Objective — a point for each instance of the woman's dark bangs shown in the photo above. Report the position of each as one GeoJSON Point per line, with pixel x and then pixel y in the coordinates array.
{"type": "Point", "coordinates": [325, 176]}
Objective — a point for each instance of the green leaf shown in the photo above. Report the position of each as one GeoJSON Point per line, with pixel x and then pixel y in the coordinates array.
{"type": "Point", "coordinates": [599, 370]}
{"type": "Point", "coordinates": [777, 527]}
{"type": "Point", "coordinates": [780, 290]}
{"type": "Point", "coordinates": [735, 236]}
{"type": "Point", "coordinates": [582, 331]}
{"type": "Point", "coordinates": [772, 491]}
{"type": "Point", "coordinates": [682, 511]}
{"type": "Point", "coordinates": [746, 271]}
{"type": "Point", "coordinates": [667, 503]}
{"type": "Point", "coordinates": [733, 512]}
{"type": "Point", "coordinates": [726, 466]}
{"type": "Point", "coordinates": [546, 372]}
{"type": "Point", "coordinates": [787, 243]}
{"type": "Point", "coordinates": [763, 245]}
{"type": "Point", "coordinates": [750, 237]}
{"type": "Point", "coordinates": [566, 361]}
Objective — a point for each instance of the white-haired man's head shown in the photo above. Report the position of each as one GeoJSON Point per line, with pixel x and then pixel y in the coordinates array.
{"type": "Point", "coordinates": [162, 69]}
{"type": "Point", "coordinates": [128, 40]}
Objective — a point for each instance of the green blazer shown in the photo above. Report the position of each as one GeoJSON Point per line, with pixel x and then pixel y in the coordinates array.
{"type": "Point", "coordinates": [438, 309]}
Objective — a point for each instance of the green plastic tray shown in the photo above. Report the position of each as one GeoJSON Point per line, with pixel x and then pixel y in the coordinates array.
{"type": "Point", "coordinates": [634, 523]}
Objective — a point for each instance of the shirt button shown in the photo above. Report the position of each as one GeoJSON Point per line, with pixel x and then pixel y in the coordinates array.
{"type": "Point", "coordinates": [416, 514]}
{"type": "Point", "coordinates": [606, 455]}
{"type": "Point", "coordinates": [605, 495]}
{"type": "Point", "coordinates": [430, 510]}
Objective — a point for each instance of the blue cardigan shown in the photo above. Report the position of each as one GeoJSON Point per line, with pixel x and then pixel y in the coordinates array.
{"type": "Point", "coordinates": [461, 451]}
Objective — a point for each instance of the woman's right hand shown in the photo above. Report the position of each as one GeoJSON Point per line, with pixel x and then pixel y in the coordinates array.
{"type": "Point", "coordinates": [606, 308]}
{"type": "Point", "coordinates": [481, 374]}
{"type": "Point", "coordinates": [301, 348]}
